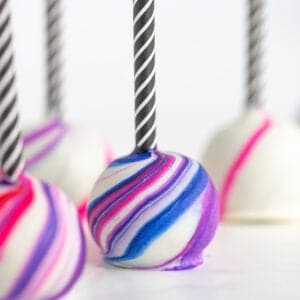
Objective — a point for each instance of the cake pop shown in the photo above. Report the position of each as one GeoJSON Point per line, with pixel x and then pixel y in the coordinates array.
{"type": "Point", "coordinates": [42, 248]}
{"type": "Point", "coordinates": [253, 160]}
{"type": "Point", "coordinates": [152, 209]}
{"type": "Point", "coordinates": [70, 156]}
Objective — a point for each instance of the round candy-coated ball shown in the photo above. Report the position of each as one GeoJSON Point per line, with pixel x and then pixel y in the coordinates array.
{"type": "Point", "coordinates": [42, 249]}
{"type": "Point", "coordinates": [255, 164]}
{"type": "Point", "coordinates": [68, 156]}
{"type": "Point", "coordinates": [153, 210]}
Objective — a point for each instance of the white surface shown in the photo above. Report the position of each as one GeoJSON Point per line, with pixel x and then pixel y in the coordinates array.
{"type": "Point", "coordinates": [244, 262]}
{"type": "Point", "coordinates": [200, 65]}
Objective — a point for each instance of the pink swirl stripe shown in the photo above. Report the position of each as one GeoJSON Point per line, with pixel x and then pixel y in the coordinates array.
{"type": "Point", "coordinates": [50, 248]}
{"type": "Point", "coordinates": [241, 158]}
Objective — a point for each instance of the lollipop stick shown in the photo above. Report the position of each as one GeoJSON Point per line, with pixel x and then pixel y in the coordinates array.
{"type": "Point", "coordinates": [255, 24]}
{"type": "Point", "coordinates": [11, 146]}
{"type": "Point", "coordinates": [144, 75]}
{"type": "Point", "coordinates": [54, 65]}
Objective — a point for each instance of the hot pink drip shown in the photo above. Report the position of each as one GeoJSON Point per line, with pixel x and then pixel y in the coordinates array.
{"type": "Point", "coordinates": [240, 160]}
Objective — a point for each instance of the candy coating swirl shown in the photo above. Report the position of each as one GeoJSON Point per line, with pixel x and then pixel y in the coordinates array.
{"type": "Point", "coordinates": [42, 249]}
{"type": "Point", "coordinates": [153, 210]}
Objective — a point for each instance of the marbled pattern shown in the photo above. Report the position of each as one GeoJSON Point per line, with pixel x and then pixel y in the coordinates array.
{"type": "Point", "coordinates": [153, 210]}
{"type": "Point", "coordinates": [42, 249]}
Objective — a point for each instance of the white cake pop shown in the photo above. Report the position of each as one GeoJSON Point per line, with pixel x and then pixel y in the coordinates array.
{"type": "Point", "coordinates": [254, 164]}
{"type": "Point", "coordinates": [70, 156]}
{"type": "Point", "coordinates": [254, 160]}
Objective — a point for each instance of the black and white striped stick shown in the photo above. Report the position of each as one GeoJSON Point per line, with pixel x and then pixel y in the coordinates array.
{"type": "Point", "coordinates": [144, 75]}
{"type": "Point", "coordinates": [255, 38]}
{"type": "Point", "coordinates": [11, 146]}
{"type": "Point", "coordinates": [54, 62]}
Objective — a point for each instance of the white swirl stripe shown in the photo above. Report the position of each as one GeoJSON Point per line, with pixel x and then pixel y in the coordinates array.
{"type": "Point", "coordinates": [146, 26]}
{"type": "Point", "coordinates": [152, 111]}
{"type": "Point", "coordinates": [144, 46]}
{"type": "Point", "coordinates": [145, 83]}
{"type": "Point", "coordinates": [146, 136]}
{"type": "Point", "coordinates": [142, 11]}
{"type": "Point", "coordinates": [145, 102]}
{"type": "Point", "coordinates": [144, 65]}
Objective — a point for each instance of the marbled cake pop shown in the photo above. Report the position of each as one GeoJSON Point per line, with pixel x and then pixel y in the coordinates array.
{"type": "Point", "coordinates": [42, 249]}
{"type": "Point", "coordinates": [152, 209]}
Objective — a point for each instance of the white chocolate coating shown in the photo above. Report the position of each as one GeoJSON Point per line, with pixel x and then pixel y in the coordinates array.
{"type": "Point", "coordinates": [265, 176]}
{"type": "Point", "coordinates": [74, 163]}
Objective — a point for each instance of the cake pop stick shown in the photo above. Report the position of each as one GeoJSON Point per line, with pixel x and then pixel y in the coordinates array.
{"type": "Point", "coordinates": [151, 209]}
{"type": "Point", "coordinates": [42, 248]}
{"type": "Point", "coordinates": [254, 61]}
{"type": "Point", "coordinates": [250, 157]}
{"type": "Point", "coordinates": [12, 162]}
{"type": "Point", "coordinates": [144, 79]}
{"type": "Point", "coordinates": [69, 156]}
{"type": "Point", "coordinates": [253, 94]}
{"type": "Point", "coordinates": [54, 60]}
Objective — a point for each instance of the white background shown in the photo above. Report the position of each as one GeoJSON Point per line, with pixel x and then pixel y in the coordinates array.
{"type": "Point", "coordinates": [200, 65]}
